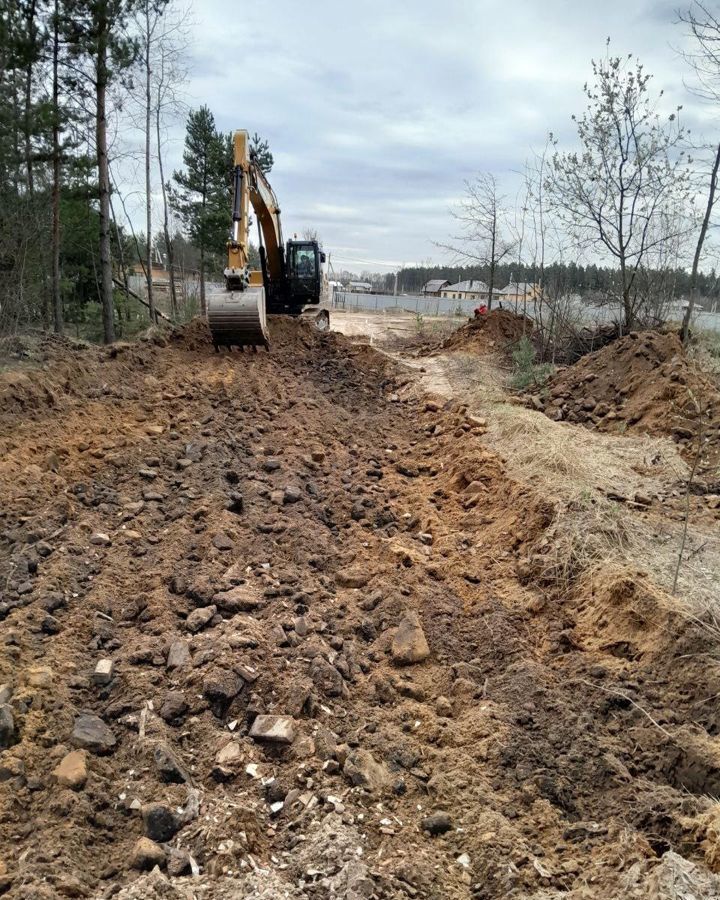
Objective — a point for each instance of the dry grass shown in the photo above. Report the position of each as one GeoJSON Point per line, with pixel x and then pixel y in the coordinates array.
{"type": "Point", "coordinates": [571, 460]}
{"type": "Point", "coordinates": [577, 468]}
{"type": "Point", "coordinates": [581, 538]}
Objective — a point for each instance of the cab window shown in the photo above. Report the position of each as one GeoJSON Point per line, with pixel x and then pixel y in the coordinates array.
{"type": "Point", "coordinates": [304, 261]}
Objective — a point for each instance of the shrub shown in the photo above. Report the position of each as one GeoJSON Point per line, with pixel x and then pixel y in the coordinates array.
{"type": "Point", "coordinates": [526, 372]}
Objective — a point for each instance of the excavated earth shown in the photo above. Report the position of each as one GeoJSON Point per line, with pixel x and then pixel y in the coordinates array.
{"type": "Point", "coordinates": [191, 541]}
{"type": "Point", "coordinates": [498, 331]}
{"type": "Point", "coordinates": [644, 383]}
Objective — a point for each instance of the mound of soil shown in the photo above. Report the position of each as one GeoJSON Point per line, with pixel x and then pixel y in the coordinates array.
{"type": "Point", "coordinates": [496, 332]}
{"type": "Point", "coordinates": [271, 619]}
{"type": "Point", "coordinates": [642, 382]}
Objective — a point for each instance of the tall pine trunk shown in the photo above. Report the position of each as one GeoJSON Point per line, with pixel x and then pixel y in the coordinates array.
{"type": "Point", "coordinates": [56, 295]}
{"type": "Point", "coordinates": [27, 118]}
{"type": "Point", "coordinates": [148, 197]}
{"type": "Point", "coordinates": [106, 280]}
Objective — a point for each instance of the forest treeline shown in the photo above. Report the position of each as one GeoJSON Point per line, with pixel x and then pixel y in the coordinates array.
{"type": "Point", "coordinates": [595, 283]}
{"type": "Point", "coordinates": [89, 90]}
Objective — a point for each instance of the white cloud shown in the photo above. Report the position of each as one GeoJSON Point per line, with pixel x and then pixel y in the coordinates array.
{"type": "Point", "coordinates": [377, 112]}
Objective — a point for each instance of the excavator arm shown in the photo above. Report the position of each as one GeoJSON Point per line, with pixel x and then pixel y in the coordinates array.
{"type": "Point", "coordinates": [291, 276]}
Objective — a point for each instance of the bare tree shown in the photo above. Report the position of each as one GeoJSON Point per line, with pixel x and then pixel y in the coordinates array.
{"type": "Point", "coordinates": [629, 171]}
{"type": "Point", "coordinates": [704, 59]}
{"type": "Point", "coordinates": [486, 235]}
{"type": "Point", "coordinates": [162, 32]}
{"type": "Point", "coordinates": [171, 75]}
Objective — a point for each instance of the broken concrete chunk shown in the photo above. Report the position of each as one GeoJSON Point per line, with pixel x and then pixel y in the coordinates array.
{"type": "Point", "coordinates": [100, 539]}
{"type": "Point", "coordinates": [409, 644]}
{"type": "Point", "coordinates": [103, 673]}
{"type": "Point", "coordinates": [274, 729]}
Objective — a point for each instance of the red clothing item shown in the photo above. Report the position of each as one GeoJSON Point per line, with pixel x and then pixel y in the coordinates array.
{"type": "Point", "coordinates": [480, 311]}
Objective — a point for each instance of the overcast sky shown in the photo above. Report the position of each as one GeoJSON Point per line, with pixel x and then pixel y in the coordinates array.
{"type": "Point", "coordinates": [377, 111]}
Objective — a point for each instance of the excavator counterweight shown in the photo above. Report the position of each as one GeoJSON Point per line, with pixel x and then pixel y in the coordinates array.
{"type": "Point", "coordinates": [290, 279]}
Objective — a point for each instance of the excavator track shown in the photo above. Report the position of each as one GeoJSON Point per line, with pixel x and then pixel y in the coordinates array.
{"type": "Point", "coordinates": [238, 318]}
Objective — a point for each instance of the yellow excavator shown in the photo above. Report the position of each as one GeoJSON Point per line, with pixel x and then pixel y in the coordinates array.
{"type": "Point", "coordinates": [290, 280]}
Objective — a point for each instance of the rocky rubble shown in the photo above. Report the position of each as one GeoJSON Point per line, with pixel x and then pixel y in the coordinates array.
{"type": "Point", "coordinates": [302, 664]}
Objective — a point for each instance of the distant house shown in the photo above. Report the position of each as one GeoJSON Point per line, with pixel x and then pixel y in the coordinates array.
{"type": "Point", "coordinates": [519, 293]}
{"type": "Point", "coordinates": [360, 287]}
{"type": "Point", "coordinates": [432, 288]}
{"type": "Point", "coordinates": [466, 290]}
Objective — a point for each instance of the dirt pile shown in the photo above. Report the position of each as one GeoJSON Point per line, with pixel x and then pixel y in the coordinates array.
{"type": "Point", "coordinates": [642, 382]}
{"type": "Point", "coordinates": [497, 332]}
{"type": "Point", "coordinates": [267, 619]}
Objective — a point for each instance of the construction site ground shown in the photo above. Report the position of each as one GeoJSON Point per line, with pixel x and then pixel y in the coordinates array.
{"type": "Point", "coordinates": [455, 612]}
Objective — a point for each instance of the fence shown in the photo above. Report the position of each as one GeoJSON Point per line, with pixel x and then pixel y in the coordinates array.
{"type": "Point", "coordinates": [444, 306]}
{"type": "Point", "coordinates": [424, 306]}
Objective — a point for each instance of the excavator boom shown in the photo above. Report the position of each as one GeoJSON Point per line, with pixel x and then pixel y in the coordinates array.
{"type": "Point", "coordinates": [290, 277]}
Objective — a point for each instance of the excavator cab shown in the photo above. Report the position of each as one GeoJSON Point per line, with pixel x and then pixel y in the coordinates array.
{"type": "Point", "coordinates": [304, 274]}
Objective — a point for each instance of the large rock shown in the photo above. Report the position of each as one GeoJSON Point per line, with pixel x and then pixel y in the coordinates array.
{"type": "Point", "coordinates": [357, 578]}
{"type": "Point", "coordinates": [91, 733]}
{"type": "Point", "coordinates": [274, 729]}
{"type": "Point", "coordinates": [437, 823]}
{"type": "Point", "coordinates": [243, 598]}
{"type": "Point", "coordinates": [200, 617]}
{"type": "Point", "coordinates": [72, 771]}
{"type": "Point", "coordinates": [174, 707]}
{"type": "Point", "coordinates": [220, 687]}
{"type": "Point", "coordinates": [7, 727]}
{"type": "Point", "coordinates": [146, 855]}
{"type": "Point", "coordinates": [363, 770]}
{"type": "Point", "coordinates": [160, 822]}
{"type": "Point", "coordinates": [410, 644]}
{"type": "Point", "coordinates": [178, 655]}
{"type": "Point", "coordinates": [169, 766]}
{"type": "Point", "coordinates": [326, 678]}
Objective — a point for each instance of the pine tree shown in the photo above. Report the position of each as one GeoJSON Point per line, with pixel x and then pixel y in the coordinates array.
{"type": "Point", "coordinates": [260, 149]}
{"type": "Point", "coordinates": [97, 34]}
{"type": "Point", "coordinates": [201, 194]}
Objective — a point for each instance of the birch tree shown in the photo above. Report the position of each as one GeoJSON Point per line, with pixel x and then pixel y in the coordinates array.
{"type": "Point", "coordinates": [485, 235]}
{"type": "Point", "coordinates": [615, 192]}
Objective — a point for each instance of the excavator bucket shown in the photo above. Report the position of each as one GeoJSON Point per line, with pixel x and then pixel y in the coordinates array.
{"type": "Point", "coordinates": [237, 318]}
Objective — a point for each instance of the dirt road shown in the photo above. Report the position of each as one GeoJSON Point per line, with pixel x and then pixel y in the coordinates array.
{"type": "Point", "coordinates": [194, 542]}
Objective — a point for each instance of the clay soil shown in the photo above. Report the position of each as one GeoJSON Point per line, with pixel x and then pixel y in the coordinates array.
{"type": "Point", "coordinates": [569, 738]}
{"type": "Point", "coordinates": [644, 383]}
{"type": "Point", "coordinates": [498, 331]}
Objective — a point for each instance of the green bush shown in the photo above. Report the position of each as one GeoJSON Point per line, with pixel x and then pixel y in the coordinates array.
{"type": "Point", "coordinates": [526, 372]}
